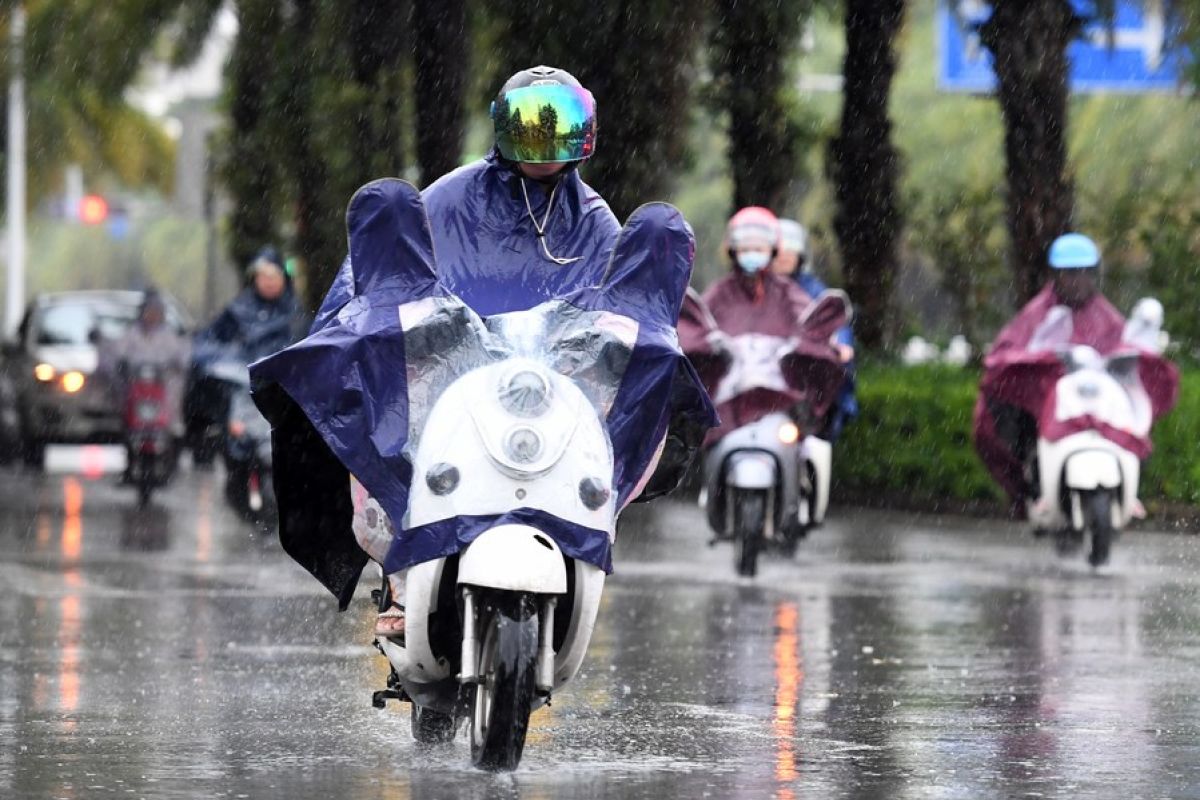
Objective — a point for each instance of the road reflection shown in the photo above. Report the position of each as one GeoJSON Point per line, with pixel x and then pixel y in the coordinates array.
{"type": "Point", "coordinates": [789, 679]}
{"type": "Point", "coordinates": [72, 529]}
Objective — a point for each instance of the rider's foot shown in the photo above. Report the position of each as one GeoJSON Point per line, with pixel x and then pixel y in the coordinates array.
{"type": "Point", "coordinates": [1138, 511]}
{"type": "Point", "coordinates": [390, 623]}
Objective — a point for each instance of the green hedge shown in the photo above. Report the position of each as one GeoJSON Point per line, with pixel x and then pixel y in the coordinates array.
{"type": "Point", "coordinates": [912, 441]}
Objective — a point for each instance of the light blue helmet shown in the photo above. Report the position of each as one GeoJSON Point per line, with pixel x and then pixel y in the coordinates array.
{"type": "Point", "coordinates": [1074, 251]}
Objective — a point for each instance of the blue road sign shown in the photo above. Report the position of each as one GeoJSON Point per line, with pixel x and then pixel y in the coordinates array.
{"type": "Point", "coordinates": [1131, 57]}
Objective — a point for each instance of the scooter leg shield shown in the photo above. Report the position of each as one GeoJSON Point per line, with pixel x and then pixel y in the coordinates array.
{"type": "Point", "coordinates": [750, 471]}
{"type": "Point", "coordinates": [819, 453]}
{"type": "Point", "coordinates": [1093, 470]}
{"type": "Point", "coordinates": [515, 558]}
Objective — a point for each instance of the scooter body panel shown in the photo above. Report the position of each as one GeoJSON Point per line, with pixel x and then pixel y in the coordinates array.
{"type": "Point", "coordinates": [753, 457]}
{"type": "Point", "coordinates": [565, 470]}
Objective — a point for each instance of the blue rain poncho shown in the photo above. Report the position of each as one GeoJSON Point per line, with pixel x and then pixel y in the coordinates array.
{"type": "Point", "coordinates": [486, 241]}
{"type": "Point", "coordinates": [353, 396]}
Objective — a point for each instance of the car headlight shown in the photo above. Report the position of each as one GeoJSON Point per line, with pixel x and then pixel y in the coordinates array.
{"type": "Point", "coordinates": [526, 393]}
{"type": "Point", "coordinates": [44, 372]}
{"type": "Point", "coordinates": [72, 382]}
{"type": "Point", "coordinates": [523, 445]}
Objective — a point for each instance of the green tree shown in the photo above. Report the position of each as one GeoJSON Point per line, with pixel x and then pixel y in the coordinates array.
{"type": "Point", "coordinates": [320, 102]}
{"type": "Point", "coordinates": [1028, 40]}
{"type": "Point", "coordinates": [79, 59]}
{"type": "Point", "coordinates": [442, 64]}
{"type": "Point", "coordinates": [752, 46]}
{"type": "Point", "coordinates": [863, 165]}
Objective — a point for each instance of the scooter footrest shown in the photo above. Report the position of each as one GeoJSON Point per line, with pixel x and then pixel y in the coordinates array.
{"type": "Point", "coordinates": [379, 699]}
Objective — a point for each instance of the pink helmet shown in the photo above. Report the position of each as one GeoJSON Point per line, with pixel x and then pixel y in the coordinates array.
{"type": "Point", "coordinates": [752, 226]}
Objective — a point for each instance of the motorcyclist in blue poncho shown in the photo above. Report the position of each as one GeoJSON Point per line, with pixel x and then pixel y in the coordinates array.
{"type": "Point", "coordinates": [510, 231]}
{"type": "Point", "coordinates": [265, 316]}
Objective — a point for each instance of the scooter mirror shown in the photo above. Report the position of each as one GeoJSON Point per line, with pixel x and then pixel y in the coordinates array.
{"type": "Point", "coordinates": [825, 315]}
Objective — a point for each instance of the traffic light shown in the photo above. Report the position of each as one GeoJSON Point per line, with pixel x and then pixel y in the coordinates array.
{"type": "Point", "coordinates": [93, 209]}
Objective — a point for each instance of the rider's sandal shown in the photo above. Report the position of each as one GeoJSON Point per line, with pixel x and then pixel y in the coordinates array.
{"type": "Point", "coordinates": [390, 623]}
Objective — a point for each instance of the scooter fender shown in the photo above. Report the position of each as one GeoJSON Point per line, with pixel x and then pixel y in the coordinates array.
{"type": "Point", "coordinates": [1084, 461]}
{"type": "Point", "coordinates": [750, 470]}
{"type": "Point", "coordinates": [819, 454]}
{"type": "Point", "coordinates": [1093, 469]}
{"type": "Point", "coordinates": [515, 558]}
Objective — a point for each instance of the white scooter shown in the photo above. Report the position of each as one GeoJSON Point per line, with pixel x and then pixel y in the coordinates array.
{"type": "Point", "coordinates": [491, 632]}
{"type": "Point", "coordinates": [767, 483]}
{"type": "Point", "coordinates": [1089, 480]}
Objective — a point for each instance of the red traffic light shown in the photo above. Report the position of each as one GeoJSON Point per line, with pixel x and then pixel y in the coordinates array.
{"type": "Point", "coordinates": [93, 209]}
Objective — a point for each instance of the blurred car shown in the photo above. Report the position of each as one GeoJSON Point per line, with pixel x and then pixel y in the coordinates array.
{"type": "Point", "coordinates": [52, 365]}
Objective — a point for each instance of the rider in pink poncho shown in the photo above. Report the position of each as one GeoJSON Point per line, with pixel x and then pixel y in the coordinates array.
{"type": "Point", "coordinates": [1021, 369]}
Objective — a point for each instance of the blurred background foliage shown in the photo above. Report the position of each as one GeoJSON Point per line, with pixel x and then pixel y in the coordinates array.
{"type": "Point", "coordinates": [322, 95]}
{"type": "Point", "coordinates": [911, 446]}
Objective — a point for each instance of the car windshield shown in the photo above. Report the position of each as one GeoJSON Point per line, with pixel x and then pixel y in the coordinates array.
{"type": "Point", "coordinates": [74, 323]}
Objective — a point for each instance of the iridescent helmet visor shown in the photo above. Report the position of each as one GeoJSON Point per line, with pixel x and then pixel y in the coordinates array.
{"type": "Point", "coordinates": [544, 124]}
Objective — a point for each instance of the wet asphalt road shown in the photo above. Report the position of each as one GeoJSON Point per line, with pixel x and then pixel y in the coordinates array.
{"type": "Point", "coordinates": [175, 653]}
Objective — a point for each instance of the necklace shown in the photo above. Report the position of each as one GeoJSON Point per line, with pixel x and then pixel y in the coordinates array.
{"type": "Point", "coordinates": [541, 229]}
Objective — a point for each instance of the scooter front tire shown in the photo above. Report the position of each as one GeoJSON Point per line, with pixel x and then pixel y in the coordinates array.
{"type": "Point", "coordinates": [505, 694]}
{"type": "Point", "coordinates": [1098, 513]}
{"type": "Point", "coordinates": [750, 516]}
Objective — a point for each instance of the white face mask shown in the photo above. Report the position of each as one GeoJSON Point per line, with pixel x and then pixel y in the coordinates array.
{"type": "Point", "coordinates": [751, 261]}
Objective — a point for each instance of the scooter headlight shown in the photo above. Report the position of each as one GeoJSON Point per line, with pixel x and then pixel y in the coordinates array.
{"type": "Point", "coordinates": [789, 433]}
{"type": "Point", "coordinates": [147, 412]}
{"type": "Point", "coordinates": [523, 445]}
{"type": "Point", "coordinates": [526, 393]}
{"type": "Point", "coordinates": [1088, 390]}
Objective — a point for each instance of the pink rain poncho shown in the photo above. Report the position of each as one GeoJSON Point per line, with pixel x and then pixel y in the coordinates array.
{"type": "Point", "coordinates": [767, 306]}
{"type": "Point", "coordinates": [1023, 367]}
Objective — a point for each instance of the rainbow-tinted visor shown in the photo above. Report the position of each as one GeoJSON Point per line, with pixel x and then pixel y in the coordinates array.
{"type": "Point", "coordinates": [545, 124]}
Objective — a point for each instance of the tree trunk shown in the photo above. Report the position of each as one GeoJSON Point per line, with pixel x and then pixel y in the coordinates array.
{"type": "Point", "coordinates": [863, 166]}
{"type": "Point", "coordinates": [1028, 40]}
{"type": "Point", "coordinates": [249, 167]}
{"type": "Point", "coordinates": [752, 43]}
{"type": "Point", "coordinates": [442, 64]}
{"type": "Point", "coordinates": [316, 238]}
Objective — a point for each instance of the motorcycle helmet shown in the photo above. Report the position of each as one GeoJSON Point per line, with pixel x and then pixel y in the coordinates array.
{"type": "Point", "coordinates": [1074, 251]}
{"type": "Point", "coordinates": [793, 238]}
{"type": "Point", "coordinates": [544, 115]}
{"type": "Point", "coordinates": [752, 227]}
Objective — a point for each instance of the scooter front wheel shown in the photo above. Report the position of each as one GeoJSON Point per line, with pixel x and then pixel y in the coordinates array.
{"type": "Point", "coordinates": [144, 474]}
{"type": "Point", "coordinates": [750, 515]}
{"type": "Point", "coordinates": [507, 670]}
{"type": "Point", "coordinates": [1098, 512]}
